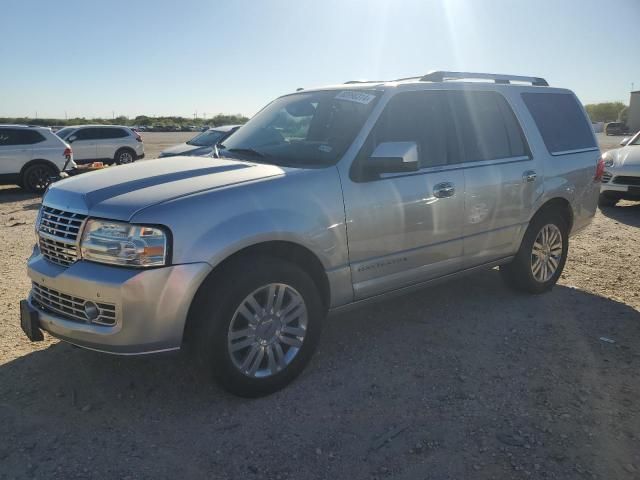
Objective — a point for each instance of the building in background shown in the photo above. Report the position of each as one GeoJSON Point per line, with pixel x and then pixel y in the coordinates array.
{"type": "Point", "coordinates": [634, 112]}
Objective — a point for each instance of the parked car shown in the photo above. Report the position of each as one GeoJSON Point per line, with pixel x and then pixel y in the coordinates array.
{"type": "Point", "coordinates": [201, 144]}
{"type": "Point", "coordinates": [32, 156]}
{"type": "Point", "coordinates": [616, 128]}
{"type": "Point", "coordinates": [326, 199]}
{"type": "Point", "coordinates": [103, 143]}
{"type": "Point", "coordinates": [621, 179]}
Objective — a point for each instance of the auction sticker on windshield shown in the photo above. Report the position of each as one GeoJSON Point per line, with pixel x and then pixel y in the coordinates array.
{"type": "Point", "coordinates": [353, 96]}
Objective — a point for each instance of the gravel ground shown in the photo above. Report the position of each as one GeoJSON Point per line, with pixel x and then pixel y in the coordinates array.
{"type": "Point", "coordinates": [467, 382]}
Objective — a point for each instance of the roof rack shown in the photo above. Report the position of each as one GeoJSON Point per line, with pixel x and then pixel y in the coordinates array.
{"type": "Point", "coordinates": [364, 81]}
{"type": "Point", "coordinates": [442, 76]}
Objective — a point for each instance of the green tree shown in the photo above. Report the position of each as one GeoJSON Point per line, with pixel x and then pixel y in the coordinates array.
{"type": "Point", "coordinates": [604, 112]}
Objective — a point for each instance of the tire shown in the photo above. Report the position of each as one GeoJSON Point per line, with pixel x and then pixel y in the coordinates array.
{"type": "Point", "coordinates": [521, 274]}
{"type": "Point", "coordinates": [124, 156]}
{"type": "Point", "coordinates": [37, 177]}
{"type": "Point", "coordinates": [605, 201]}
{"type": "Point", "coordinates": [244, 364]}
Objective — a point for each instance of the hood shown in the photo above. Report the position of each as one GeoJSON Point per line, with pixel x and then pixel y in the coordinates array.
{"type": "Point", "coordinates": [185, 149]}
{"type": "Point", "coordinates": [117, 193]}
{"type": "Point", "coordinates": [626, 156]}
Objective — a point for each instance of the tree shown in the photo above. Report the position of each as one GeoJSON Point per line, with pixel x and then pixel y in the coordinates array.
{"type": "Point", "coordinates": [604, 112]}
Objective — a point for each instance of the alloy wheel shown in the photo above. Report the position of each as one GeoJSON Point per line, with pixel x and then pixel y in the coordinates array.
{"type": "Point", "coordinates": [546, 253]}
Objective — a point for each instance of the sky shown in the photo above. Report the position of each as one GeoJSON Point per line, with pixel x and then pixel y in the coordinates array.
{"type": "Point", "coordinates": [181, 57]}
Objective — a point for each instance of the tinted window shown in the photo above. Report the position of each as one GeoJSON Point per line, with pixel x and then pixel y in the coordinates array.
{"type": "Point", "coordinates": [421, 117]}
{"type": "Point", "coordinates": [105, 133]}
{"type": "Point", "coordinates": [561, 121]}
{"type": "Point", "coordinates": [88, 134]}
{"type": "Point", "coordinates": [10, 136]}
{"type": "Point", "coordinates": [206, 139]}
{"type": "Point", "coordinates": [487, 126]}
{"type": "Point", "coordinates": [64, 132]}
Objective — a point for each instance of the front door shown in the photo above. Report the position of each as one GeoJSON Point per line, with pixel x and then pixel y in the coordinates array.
{"type": "Point", "coordinates": [406, 228]}
{"type": "Point", "coordinates": [15, 151]}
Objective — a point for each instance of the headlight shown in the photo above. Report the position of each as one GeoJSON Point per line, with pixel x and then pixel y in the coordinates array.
{"type": "Point", "coordinates": [608, 162]}
{"type": "Point", "coordinates": [119, 243]}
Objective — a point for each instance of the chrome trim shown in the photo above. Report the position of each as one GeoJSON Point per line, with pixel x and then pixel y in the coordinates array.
{"type": "Point", "coordinates": [59, 232]}
{"type": "Point", "coordinates": [578, 150]}
{"type": "Point", "coordinates": [71, 307]}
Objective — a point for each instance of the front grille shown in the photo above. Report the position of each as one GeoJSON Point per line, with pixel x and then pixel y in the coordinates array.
{"type": "Point", "coordinates": [626, 180]}
{"type": "Point", "coordinates": [606, 176]}
{"type": "Point", "coordinates": [71, 307]}
{"type": "Point", "coordinates": [58, 232]}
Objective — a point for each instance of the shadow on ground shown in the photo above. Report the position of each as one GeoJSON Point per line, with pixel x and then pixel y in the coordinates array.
{"type": "Point", "coordinates": [625, 212]}
{"type": "Point", "coordinates": [466, 380]}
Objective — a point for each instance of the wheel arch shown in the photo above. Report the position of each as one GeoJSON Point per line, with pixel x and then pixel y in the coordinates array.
{"type": "Point", "coordinates": [560, 205]}
{"type": "Point", "coordinates": [282, 249]}
{"type": "Point", "coordinates": [37, 161]}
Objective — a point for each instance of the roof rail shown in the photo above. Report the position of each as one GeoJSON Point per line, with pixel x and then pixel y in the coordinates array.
{"type": "Point", "coordinates": [441, 76]}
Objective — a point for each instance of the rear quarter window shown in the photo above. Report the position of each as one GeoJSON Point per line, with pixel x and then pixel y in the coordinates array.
{"type": "Point", "coordinates": [561, 122]}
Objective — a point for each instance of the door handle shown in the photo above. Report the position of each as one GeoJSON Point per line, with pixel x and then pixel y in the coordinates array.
{"type": "Point", "coordinates": [444, 190]}
{"type": "Point", "coordinates": [529, 176]}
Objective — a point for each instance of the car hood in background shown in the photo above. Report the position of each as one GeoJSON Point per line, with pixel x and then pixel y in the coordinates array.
{"type": "Point", "coordinates": [626, 156]}
{"type": "Point", "coordinates": [185, 149]}
{"type": "Point", "coordinates": [117, 193]}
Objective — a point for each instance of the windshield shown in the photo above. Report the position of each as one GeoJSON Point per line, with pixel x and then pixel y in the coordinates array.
{"type": "Point", "coordinates": [635, 140]}
{"type": "Point", "coordinates": [206, 139]}
{"type": "Point", "coordinates": [304, 129]}
{"type": "Point", "coordinates": [64, 132]}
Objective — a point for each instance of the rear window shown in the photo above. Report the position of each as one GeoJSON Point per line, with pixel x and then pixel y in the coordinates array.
{"type": "Point", "coordinates": [561, 121]}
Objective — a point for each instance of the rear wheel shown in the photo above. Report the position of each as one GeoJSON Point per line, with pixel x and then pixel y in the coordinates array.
{"type": "Point", "coordinates": [124, 156]}
{"type": "Point", "coordinates": [256, 331]}
{"type": "Point", "coordinates": [36, 178]}
{"type": "Point", "coordinates": [542, 255]}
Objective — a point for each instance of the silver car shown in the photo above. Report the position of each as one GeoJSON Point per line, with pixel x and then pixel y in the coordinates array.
{"type": "Point", "coordinates": [326, 199]}
{"type": "Point", "coordinates": [201, 144]}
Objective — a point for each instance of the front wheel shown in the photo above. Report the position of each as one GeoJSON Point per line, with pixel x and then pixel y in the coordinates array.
{"type": "Point", "coordinates": [256, 330]}
{"type": "Point", "coordinates": [540, 260]}
{"type": "Point", "coordinates": [605, 201]}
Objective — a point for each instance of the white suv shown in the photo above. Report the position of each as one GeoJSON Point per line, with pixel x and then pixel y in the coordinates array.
{"type": "Point", "coordinates": [30, 156]}
{"type": "Point", "coordinates": [105, 143]}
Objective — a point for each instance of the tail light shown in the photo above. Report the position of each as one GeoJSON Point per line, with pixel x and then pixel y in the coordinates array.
{"type": "Point", "coordinates": [138, 137]}
{"type": "Point", "coordinates": [599, 170]}
{"type": "Point", "coordinates": [67, 153]}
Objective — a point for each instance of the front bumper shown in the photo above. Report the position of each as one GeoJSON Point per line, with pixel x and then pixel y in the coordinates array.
{"type": "Point", "coordinates": [151, 305]}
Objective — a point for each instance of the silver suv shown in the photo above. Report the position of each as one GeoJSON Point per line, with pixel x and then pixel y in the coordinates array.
{"type": "Point", "coordinates": [327, 198]}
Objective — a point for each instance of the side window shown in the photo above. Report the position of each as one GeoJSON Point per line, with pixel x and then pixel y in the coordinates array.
{"type": "Point", "coordinates": [108, 133]}
{"type": "Point", "coordinates": [6, 136]}
{"type": "Point", "coordinates": [30, 137]}
{"type": "Point", "coordinates": [423, 117]}
{"type": "Point", "coordinates": [487, 127]}
{"type": "Point", "coordinates": [561, 121]}
{"type": "Point", "coordinates": [10, 136]}
{"type": "Point", "coordinates": [87, 134]}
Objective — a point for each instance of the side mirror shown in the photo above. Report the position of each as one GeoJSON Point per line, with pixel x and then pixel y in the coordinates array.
{"type": "Point", "coordinates": [72, 139]}
{"type": "Point", "coordinates": [625, 140]}
{"type": "Point", "coordinates": [394, 157]}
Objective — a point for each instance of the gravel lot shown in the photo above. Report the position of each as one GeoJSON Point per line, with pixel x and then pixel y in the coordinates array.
{"type": "Point", "coordinates": [466, 381]}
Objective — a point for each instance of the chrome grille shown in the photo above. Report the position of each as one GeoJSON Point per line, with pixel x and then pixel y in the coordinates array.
{"type": "Point", "coordinates": [606, 176]}
{"type": "Point", "coordinates": [72, 307]}
{"type": "Point", "coordinates": [58, 232]}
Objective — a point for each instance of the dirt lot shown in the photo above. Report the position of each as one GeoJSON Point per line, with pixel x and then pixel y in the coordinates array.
{"type": "Point", "coordinates": [464, 381]}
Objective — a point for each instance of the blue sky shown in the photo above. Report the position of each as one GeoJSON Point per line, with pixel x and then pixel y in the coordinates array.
{"type": "Point", "coordinates": [91, 58]}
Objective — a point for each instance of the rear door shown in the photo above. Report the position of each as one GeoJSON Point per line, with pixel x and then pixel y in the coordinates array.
{"type": "Point", "coordinates": [14, 152]}
{"type": "Point", "coordinates": [111, 139]}
{"type": "Point", "coordinates": [85, 144]}
{"type": "Point", "coordinates": [405, 228]}
{"type": "Point", "coordinates": [502, 180]}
